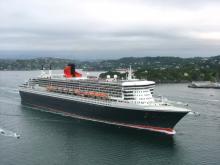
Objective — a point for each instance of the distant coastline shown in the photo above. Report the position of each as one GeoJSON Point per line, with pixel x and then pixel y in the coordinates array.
{"type": "Point", "coordinates": [159, 69]}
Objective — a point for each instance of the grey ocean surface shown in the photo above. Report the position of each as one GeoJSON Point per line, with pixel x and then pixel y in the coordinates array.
{"type": "Point", "coordinates": [52, 139]}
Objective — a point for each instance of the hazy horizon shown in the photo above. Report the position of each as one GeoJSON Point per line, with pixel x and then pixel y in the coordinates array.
{"type": "Point", "coordinates": [109, 29]}
{"type": "Point", "coordinates": [26, 56]}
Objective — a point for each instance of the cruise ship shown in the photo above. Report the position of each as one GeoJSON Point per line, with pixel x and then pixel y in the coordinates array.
{"type": "Point", "coordinates": [124, 103]}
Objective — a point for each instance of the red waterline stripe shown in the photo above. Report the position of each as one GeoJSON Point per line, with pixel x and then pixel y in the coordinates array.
{"type": "Point", "coordinates": [168, 131]}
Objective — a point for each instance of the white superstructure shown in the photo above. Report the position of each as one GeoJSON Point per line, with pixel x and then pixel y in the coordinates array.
{"type": "Point", "coordinates": [130, 92]}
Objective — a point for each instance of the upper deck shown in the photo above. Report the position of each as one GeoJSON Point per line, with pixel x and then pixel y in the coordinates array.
{"type": "Point", "coordinates": [129, 93]}
{"type": "Point", "coordinates": [131, 90]}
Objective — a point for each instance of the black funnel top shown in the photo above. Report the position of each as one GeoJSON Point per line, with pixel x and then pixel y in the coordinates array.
{"type": "Point", "coordinates": [72, 68]}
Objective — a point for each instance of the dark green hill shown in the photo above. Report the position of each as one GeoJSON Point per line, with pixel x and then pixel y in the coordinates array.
{"type": "Point", "coordinates": [159, 69]}
{"type": "Point", "coordinates": [33, 64]}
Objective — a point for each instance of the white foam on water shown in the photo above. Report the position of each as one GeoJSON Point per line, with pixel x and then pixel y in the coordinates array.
{"type": "Point", "coordinates": [8, 133]}
{"type": "Point", "coordinates": [194, 113]}
{"type": "Point", "coordinates": [177, 102]}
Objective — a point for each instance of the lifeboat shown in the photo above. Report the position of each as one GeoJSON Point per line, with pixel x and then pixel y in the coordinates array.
{"type": "Point", "coordinates": [86, 94]}
{"type": "Point", "coordinates": [50, 88]}
{"type": "Point", "coordinates": [76, 91]}
{"type": "Point", "coordinates": [70, 91]}
{"type": "Point", "coordinates": [89, 94]}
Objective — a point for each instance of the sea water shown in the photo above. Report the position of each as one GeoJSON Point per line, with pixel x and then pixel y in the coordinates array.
{"type": "Point", "coordinates": [52, 139]}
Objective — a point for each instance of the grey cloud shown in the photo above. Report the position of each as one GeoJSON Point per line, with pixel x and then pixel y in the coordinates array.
{"type": "Point", "coordinates": [34, 26]}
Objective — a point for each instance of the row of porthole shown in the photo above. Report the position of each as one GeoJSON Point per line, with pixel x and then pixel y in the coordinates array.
{"type": "Point", "coordinates": [143, 95]}
{"type": "Point", "coordinates": [137, 102]}
{"type": "Point", "coordinates": [140, 91]}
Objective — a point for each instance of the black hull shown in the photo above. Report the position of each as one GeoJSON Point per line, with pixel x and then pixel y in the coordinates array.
{"type": "Point", "coordinates": [158, 121]}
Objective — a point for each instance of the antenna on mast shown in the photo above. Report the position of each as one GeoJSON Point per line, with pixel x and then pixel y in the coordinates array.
{"type": "Point", "coordinates": [42, 71]}
{"type": "Point", "coordinates": [130, 74]}
{"type": "Point", "coordinates": [50, 71]}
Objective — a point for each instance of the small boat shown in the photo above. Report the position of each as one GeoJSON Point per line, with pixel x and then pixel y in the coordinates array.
{"type": "Point", "coordinates": [17, 136]}
{"type": "Point", "coordinates": [204, 84]}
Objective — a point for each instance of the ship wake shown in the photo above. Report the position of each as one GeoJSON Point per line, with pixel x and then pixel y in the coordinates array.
{"type": "Point", "coordinates": [8, 133]}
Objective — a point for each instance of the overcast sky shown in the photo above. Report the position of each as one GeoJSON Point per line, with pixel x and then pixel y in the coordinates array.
{"type": "Point", "coordinates": [110, 28]}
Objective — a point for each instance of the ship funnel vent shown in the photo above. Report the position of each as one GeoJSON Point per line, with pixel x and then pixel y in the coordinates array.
{"type": "Point", "coordinates": [70, 71]}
